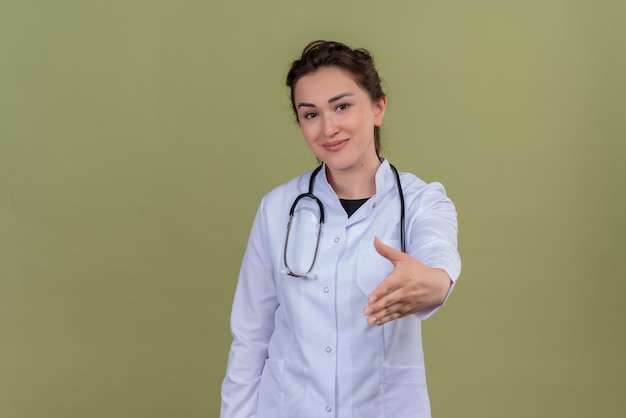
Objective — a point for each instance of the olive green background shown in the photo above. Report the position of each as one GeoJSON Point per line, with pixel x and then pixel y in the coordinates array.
{"type": "Point", "coordinates": [137, 138]}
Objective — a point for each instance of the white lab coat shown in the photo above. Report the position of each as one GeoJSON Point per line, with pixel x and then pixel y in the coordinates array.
{"type": "Point", "coordinates": [302, 346]}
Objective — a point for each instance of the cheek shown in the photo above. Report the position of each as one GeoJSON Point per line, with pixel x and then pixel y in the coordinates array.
{"type": "Point", "coordinates": [309, 132]}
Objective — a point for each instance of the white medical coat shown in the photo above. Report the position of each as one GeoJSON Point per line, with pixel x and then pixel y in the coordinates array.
{"type": "Point", "coordinates": [302, 346]}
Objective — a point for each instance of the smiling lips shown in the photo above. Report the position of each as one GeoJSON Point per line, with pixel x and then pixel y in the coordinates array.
{"type": "Point", "coordinates": [335, 145]}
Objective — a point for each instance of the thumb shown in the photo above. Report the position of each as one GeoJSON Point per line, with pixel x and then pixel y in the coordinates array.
{"type": "Point", "coordinates": [388, 252]}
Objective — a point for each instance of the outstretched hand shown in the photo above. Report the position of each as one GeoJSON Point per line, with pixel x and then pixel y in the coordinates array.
{"type": "Point", "coordinates": [411, 287]}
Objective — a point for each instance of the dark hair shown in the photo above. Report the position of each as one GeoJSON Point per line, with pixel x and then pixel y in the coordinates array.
{"type": "Point", "coordinates": [358, 62]}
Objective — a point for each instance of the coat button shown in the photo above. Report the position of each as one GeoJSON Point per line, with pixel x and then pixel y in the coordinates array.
{"type": "Point", "coordinates": [337, 239]}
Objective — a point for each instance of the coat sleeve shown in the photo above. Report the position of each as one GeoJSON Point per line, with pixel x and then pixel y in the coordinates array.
{"type": "Point", "coordinates": [252, 324]}
{"type": "Point", "coordinates": [434, 235]}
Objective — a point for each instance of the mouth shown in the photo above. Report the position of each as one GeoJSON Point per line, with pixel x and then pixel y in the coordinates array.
{"type": "Point", "coordinates": [335, 145]}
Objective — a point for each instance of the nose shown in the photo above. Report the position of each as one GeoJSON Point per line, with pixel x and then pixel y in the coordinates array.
{"type": "Point", "coordinates": [330, 127]}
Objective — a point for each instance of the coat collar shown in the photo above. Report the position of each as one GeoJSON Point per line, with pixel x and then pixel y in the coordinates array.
{"type": "Point", "coordinates": [385, 183]}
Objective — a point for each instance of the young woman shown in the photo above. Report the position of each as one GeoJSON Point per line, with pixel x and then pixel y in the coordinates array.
{"type": "Point", "coordinates": [326, 319]}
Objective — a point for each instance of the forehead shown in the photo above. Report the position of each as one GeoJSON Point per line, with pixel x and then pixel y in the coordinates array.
{"type": "Point", "coordinates": [324, 84]}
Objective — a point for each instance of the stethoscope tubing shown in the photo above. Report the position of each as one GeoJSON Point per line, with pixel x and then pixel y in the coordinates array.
{"type": "Point", "coordinates": [309, 194]}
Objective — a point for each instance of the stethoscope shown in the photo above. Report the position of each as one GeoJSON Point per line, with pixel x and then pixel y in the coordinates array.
{"type": "Point", "coordinates": [310, 195]}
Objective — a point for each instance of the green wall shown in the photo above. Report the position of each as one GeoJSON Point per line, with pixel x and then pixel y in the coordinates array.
{"type": "Point", "coordinates": [137, 137]}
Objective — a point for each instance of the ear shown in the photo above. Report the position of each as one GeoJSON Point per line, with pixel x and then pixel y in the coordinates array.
{"type": "Point", "coordinates": [379, 111]}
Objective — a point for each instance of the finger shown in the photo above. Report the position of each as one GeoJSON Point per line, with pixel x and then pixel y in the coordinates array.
{"type": "Point", "coordinates": [382, 299]}
{"type": "Point", "coordinates": [391, 316]}
{"type": "Point", "coordinates": [388, 252]}
{"type": "Point", "coordinates": [387, 314]}
{"type": "Point", "coordinates": [376, 299]}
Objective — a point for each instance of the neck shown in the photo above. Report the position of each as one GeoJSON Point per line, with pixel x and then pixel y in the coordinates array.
{"type": "Point", "coordinates": [356, 182]}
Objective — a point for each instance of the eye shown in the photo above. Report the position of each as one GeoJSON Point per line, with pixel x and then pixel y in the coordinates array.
{"type": "Point", "coordinates": [310, 115]}
{"type": "Point", "coordinates": [342, 106]}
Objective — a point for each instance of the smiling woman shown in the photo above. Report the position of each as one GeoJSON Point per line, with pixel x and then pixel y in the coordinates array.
{"type": "Point", "coordinates": [337, 127]}
{"type": "Point", "coordinates": [344, 338]}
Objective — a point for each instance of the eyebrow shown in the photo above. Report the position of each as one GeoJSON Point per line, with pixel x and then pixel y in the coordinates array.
{"type": "Point", "coordinates": [331, 100]}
